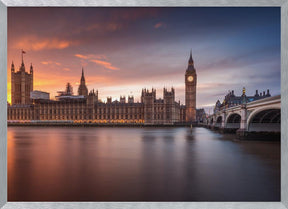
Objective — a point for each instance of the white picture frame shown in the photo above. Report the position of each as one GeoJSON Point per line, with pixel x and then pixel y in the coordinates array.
{"type": "Point", "coordinates": [152, 205]}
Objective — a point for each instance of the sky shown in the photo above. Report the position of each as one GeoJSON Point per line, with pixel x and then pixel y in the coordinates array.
{"type": "Point", "coordinates": [123, 50]}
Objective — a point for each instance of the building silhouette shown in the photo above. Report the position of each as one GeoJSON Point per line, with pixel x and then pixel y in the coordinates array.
{"type": "Point", "coordinates": [86, 107]}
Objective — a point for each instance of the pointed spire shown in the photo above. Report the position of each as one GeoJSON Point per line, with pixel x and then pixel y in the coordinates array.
{"type": "Point", "coordinates": [191, 67]}
{"type": "Point", "coordinates": [191, 62]}
{"type": "Point", "coordinates": [12, 66]}
{"type": "Point", "coordinates": [82, 77]}
{"type": "Point", "coordinates": [82, 89]}
{"type": "Point", "coordinates": [31, 68]}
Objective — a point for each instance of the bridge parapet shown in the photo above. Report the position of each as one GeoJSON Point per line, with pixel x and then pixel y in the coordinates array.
{"type": "Point", "coordinates": [263, 115]}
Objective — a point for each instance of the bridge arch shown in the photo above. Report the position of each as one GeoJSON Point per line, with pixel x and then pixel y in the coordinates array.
{"type": "Point", "coordinates": [211, 121]}
{"type": "Point", "coordinates": [259, 119]}
{"type": "Point", "coordinates": [219, 121]}
{"type": "Point", "coordinates": [233, 121]}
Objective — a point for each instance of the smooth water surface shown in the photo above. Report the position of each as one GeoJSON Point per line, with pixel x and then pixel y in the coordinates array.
{"type": "Point", "coordinates": [139, 164]}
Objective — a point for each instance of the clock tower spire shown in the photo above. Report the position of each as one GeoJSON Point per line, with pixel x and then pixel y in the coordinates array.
{"type": "Point", "coordinates": [190, 91]}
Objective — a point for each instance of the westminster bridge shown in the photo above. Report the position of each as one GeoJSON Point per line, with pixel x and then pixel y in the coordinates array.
{"type": "Point", "coordinates": [260, 116]}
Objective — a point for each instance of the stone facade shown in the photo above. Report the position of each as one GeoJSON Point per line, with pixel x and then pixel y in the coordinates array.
{"type": "Point", "coordinates": [90, 109]}
{"type": "Point", "coordinates": [21, 85]}
{"type": "Point", "coordinates": [86, 107]}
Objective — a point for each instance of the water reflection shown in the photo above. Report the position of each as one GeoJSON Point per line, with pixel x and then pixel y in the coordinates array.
{"type": "Point", "coordinates": [139, 164]}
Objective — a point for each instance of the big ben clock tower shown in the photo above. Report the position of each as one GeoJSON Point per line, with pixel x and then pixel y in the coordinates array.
{"type": "Point", "coordinates": [190, 91]}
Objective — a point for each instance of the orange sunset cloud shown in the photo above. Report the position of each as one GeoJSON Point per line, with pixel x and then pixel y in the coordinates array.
{"type": "Point", "coordinates": [109, 27]}
{"type": "Point", "coordinates": [107, 65]}
{"type": "Point", "coordinates": [90, 56]}
{"type": "Point", "coordinates": [36, 44]}
{"type": "Point", "coordinates": [96, 59]}
{"type": "Point", "coordinates": [81, 56]}
{"type": "Point", "coordinates": [50, 63]}
{"type": "Point", "coordinates": [160, 25]}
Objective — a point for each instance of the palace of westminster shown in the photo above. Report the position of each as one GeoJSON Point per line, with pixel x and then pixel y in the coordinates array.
{"type": "Point", "coordinates": [29, 105]}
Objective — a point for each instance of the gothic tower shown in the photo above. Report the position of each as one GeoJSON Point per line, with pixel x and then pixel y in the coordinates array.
{"type": "Point", "coordinates": [169, 106]}
{"type": "Point", "coordinates": [190, 91]}
{"type": "Point", "coordinates": [148, 98]}
{"type": "Point", "coordinates": [82, 90]}
{"type": "Point", "coordinates": [21, 84]}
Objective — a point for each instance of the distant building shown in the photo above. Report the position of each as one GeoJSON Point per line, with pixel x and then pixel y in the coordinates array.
{"type": "Point", "coordinates": [86, 107]}
{"type": "Point", "coordinates": [200, 115]}
{"type": "Point", "coordinates": [231, 100]}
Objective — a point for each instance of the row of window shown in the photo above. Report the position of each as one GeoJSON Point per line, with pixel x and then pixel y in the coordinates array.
{"type": "Point", "coordinates": [83, 117]}
{"type": "Point", "coordinates": [83, 110]}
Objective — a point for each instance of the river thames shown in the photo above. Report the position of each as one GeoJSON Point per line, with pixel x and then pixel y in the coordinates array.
{"type": "Point", "coordinates": [139, 164]}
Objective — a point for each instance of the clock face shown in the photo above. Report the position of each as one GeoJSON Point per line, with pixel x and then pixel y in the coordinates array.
{"type": "Point", "coordinates": [190, 78]}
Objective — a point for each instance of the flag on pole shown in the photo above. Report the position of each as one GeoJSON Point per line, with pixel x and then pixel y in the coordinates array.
{"type": "Point", "coordinates": [23, 52]}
